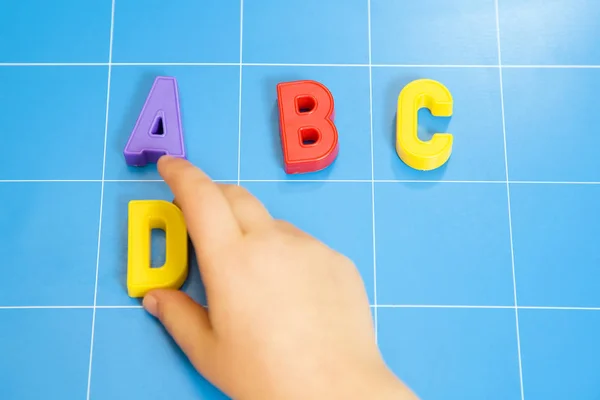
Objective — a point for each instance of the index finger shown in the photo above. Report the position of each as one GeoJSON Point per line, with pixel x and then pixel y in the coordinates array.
{"type": "Point", "coordinates": [210, 221]}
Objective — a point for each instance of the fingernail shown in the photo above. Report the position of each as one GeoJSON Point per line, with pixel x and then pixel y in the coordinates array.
{"type": "Point", "coordinates": [150, 304]}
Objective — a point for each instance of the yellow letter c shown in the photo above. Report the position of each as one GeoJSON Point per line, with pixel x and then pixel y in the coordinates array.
{"type": "Point", "coordinates": [414, 152]}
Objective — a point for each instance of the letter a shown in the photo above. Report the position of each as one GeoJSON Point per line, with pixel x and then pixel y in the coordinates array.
{"type": "Point", "coordinates": [309, 137]}
{"type": "Point", "coordinates": [145, 215]}
{"type": "Point", "coordinates": [158, 130]}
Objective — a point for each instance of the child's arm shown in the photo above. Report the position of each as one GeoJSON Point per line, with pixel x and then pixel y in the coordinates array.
{"type": "Point", "coordinates": [288, 317]}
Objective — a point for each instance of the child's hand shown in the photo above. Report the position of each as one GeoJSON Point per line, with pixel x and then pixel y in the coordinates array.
{"type": "Point", "coordinates": [288, 317]}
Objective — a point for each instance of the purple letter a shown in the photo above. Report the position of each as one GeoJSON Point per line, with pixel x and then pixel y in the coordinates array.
{"type": "Point", "coordinates": [158, 130]}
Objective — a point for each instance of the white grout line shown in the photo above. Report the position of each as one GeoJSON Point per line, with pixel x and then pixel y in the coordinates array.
{"type": "Point", "coordinates": [183, 64]}
{"type": "Point", "coordinates": [232, 64]}
{"type": "Point", "coordinates": [378, 306]}
{"type": "Point", "coordinates": [550, 66]}
{"type": "Point", "coordinates": [49, 180]}
{"type": "Point", "coordinates": [503, 182]}
{"type": "Point", "coordinates": [433, 181]}
{"type": "Point", "coordinates": [110, 49]}
{"type": "Point", "coordinates": [307, 180]}
{"type": "Point", "coordinates": [98, 180]}
{"type": "Point", "coordinates": [559, 308]}
{"type": "Point", "coordinates": [374, 244]}
{"type": "Point", "coordinates": [120, 307]}
{"type": "Point", "coordinates": [134, 180]}
{"type": "Point", "coordinates": [510, 230]}
{"type": "Point", "coordinates": [57, 64]}
{"type": "Point", "coordinates": [434, 66]}
{"type": "Point", "coordinates": [488, 307]}
{"type": "Point", "coordinates": [45, 307]}
{"type": "Point", "coordinates": [305, 65]}
{"type": "Point", "coordinates": [239, 155]}
{"type": "Point", "coordinates": [552, 183]}
{"type": "Point", "coordinates": [443, 306]}
{"type": "Point", "coordinates": [66, 307]}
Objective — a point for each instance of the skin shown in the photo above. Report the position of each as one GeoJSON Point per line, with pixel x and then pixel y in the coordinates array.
{"type": "Point", "coordinates": [288, 318]}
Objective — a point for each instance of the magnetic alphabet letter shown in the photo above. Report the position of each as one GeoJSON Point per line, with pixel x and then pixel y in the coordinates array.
{"type": "Point", "coordinates": [309, 137]}
{"type": "Point", "coordinates": [158, 130]}
{"type": "Point", "coordinates": [414, 152]}
{"type": "Point", "coordinates": [145, 215]}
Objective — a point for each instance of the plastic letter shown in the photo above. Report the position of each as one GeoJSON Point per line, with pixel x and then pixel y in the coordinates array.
{"type": "Point", "coordinates": [158, 130]}
{"type": "Point", "coordinates": [145, 215]}
{"type": "Point", "coordinates": [309, 137]}
{"type": "Point", "coordinates": [414, 152]}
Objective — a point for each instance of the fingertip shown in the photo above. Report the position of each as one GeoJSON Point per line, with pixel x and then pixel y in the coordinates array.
{"type": "Point", "coordinates": [163, 163]}
{"type": "Point", "coordinates": [164, 159]}
{"type": "Point", "coordinates": [177, 169]}
{"type": "Point", "coordinates": [150, 304]}
{"type": "Point", "coordinates": [155, 298]}
{"type": "Point", "coordinates": [184, 319]}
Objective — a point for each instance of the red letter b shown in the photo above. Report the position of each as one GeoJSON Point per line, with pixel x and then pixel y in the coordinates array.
{"type": "Point", "coordinates": [309, 137]}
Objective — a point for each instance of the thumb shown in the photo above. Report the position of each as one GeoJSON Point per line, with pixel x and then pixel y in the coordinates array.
{"type": "Point", "coordinates": [186, 321]}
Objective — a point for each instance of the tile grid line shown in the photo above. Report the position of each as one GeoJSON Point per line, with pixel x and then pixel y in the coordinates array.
{"type": "Point", "coordinates": [378, 306]}
{"type": "Point", "coordinates": [239, 158]}
{"type": "Point", "coordinates": [235, 64]}
{"type": "Point", "coordinates": [109, 72]}
{"type": "Point", "coordinates": [374, 244]}
{"type": "Point", "coordinates": [492, 182]}
{"type": "Point", "coordinates": [510, 230]}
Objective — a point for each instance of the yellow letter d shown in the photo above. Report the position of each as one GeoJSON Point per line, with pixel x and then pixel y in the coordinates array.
{"type": "Point", "coordinates": [145, 215]}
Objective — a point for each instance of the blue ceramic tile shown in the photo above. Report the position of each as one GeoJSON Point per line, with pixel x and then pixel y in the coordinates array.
{"type": "Point", "coordinates": [112, 272]}
{"type": "Point", "coordinates": [443, 244]}
{"type": "Point", "coordinates": [434, 32]}
{"type": "Point", "coordinates": [339, 214]}
{"type": "Point", "coordinates": [177, 31]}
{"type": "Point", "coordinates": [45, 353]}
{"type": "Point", "coordinates": [555, 230]}
{"type": "Point", "coordinates": [453, 354]}
{"type": "Point", "coordinates": [550, 124]}
{"type": "Point", "coordinates": [134, 357]}
{"type": "Point", "coordinates": [209, 98]}
{"type": "Point", "coordinates": [437, 244]}
{"type": "Point", "coordinates": [53, 122]}
{"type": "Point", "coordinates": [476, 123]}
{"type": "Point", "coordinates": [261, 155]}
{"type": "Point", "coordinates": [50, 247]}
{"type": "Point", "coordinates": [560, 351]}
{"type": "Point", "coordinates": [549, 32]}
{"type": "Point", "coordinates": [311, 31]}
{"type": "Point", "coordinates": [58, 31]}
